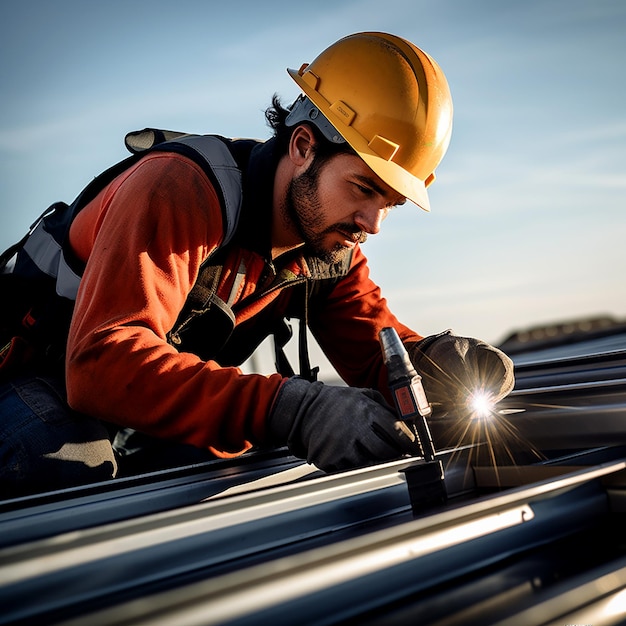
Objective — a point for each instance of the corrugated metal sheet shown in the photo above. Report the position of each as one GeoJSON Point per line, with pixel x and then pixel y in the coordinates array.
{"type": "Point", "coordinates": [534, 539]}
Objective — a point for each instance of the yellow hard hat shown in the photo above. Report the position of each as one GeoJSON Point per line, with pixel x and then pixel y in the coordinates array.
{"type": "Point", "coordinates": [390, 101]}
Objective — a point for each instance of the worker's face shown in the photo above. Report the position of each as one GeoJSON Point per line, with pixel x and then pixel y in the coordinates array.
{"type": "Point", "coordinates": [336, 205]}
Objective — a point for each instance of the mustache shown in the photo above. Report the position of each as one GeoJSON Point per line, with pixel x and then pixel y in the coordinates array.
{"type": "Point", "coordinates": [355, 233]}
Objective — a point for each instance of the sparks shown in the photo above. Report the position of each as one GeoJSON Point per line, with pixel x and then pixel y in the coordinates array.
{"type": "Point", "coordinates": [481, 405]}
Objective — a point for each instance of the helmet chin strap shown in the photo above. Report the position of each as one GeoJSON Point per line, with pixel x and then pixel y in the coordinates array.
{"type": "Point", "coordinates": [303, 110]}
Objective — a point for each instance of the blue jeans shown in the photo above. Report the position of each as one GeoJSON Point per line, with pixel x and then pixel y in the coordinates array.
{"type": "Point", "coordinates": [44, 445]}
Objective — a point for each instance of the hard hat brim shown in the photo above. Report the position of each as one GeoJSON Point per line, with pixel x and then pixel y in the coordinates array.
{"type": "Point", "coordinates": [397, 178]}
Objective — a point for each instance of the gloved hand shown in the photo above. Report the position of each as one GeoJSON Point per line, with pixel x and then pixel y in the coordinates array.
{"type": "Point", "coordinates": [338, 428]}
{"type": "Point", "coordinates": [453, 368]}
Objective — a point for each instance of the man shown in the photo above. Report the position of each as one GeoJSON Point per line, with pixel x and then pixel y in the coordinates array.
{"type": "Point", "coordinates": [188, 263]}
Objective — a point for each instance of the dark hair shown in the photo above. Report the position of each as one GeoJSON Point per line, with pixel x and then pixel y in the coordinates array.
{"type": "Point", "coordinates": [324, 149]}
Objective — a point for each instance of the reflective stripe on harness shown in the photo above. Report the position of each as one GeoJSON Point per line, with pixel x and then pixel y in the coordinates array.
{"type": "Point", "coordinates": [46, 251]}
{"type": "Point", "coordinates": [47, 254]}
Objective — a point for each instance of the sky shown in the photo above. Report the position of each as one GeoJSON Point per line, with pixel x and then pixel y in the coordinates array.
{"type": "Point", "coordinates": [527, 224]}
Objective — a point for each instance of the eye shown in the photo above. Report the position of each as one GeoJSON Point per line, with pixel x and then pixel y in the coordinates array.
{"type": "Point", "coordinates": [366, 191]}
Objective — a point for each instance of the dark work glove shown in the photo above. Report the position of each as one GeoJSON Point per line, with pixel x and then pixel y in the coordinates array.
{"type": "Point", "coordinates": [338, 428]}
{"type": "Point", "coordinates": [454, 369]}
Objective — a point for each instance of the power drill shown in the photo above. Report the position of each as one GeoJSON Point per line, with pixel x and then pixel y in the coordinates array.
{"type": "Point", "coordinates": [425, 480]}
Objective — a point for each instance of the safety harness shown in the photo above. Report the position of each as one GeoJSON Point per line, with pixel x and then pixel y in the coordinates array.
{"type": "Point", "coordinates": [39, 275]}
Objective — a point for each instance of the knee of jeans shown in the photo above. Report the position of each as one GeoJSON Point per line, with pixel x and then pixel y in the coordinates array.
{"type": "Point", "coordinates": [72, 465]}
{"type": "Point", "coordinates": [34, 461]}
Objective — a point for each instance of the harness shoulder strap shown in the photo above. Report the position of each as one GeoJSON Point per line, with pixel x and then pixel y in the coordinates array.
{"type": "Point", "coordinates": [44, 249]}
{"type": "Point", "coordinates": [211, 153]}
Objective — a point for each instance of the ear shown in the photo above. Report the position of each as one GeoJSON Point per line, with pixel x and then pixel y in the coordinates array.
{"type": "Point", "coordinates": [301, 145]}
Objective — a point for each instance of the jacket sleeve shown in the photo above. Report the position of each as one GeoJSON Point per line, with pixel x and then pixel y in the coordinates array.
{"type": "Point", "coordinates": [346, 325]}
{"type": "Point", "coordinates": [145, 237]}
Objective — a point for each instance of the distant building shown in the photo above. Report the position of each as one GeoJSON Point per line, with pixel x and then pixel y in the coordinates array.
{"type": "Point", "coordinates": [561, 333]}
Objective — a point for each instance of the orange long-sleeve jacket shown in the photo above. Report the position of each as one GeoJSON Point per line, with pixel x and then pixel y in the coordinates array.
{"type": "Point", "coordinates": [144, 239]}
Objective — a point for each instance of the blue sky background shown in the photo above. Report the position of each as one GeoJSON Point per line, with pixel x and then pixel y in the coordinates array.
{"type": "Point", "coordinates": [527, 222]}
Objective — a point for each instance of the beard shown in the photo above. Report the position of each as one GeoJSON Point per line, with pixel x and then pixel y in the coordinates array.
{"type": "Point", "coordinates": [303, 211]}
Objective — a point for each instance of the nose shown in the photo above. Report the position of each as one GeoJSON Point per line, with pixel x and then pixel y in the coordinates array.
{"type": "Point", "coordinates": [369, 219]}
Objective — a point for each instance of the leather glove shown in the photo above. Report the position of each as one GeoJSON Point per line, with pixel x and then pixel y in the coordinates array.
{"type": "Point", "coordinates": [338, 428]}
{"type": "Point", "coordinates": [453, 368]}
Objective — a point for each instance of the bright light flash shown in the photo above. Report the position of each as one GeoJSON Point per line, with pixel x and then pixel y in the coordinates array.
{"type": "Point", "coordinates": [481, 404]}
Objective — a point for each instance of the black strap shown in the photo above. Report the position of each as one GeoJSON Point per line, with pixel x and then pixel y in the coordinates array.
{"type": "Point", "coordinates": [283, 334]}
{"type": "Point", "coordinates": [306, 371]}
